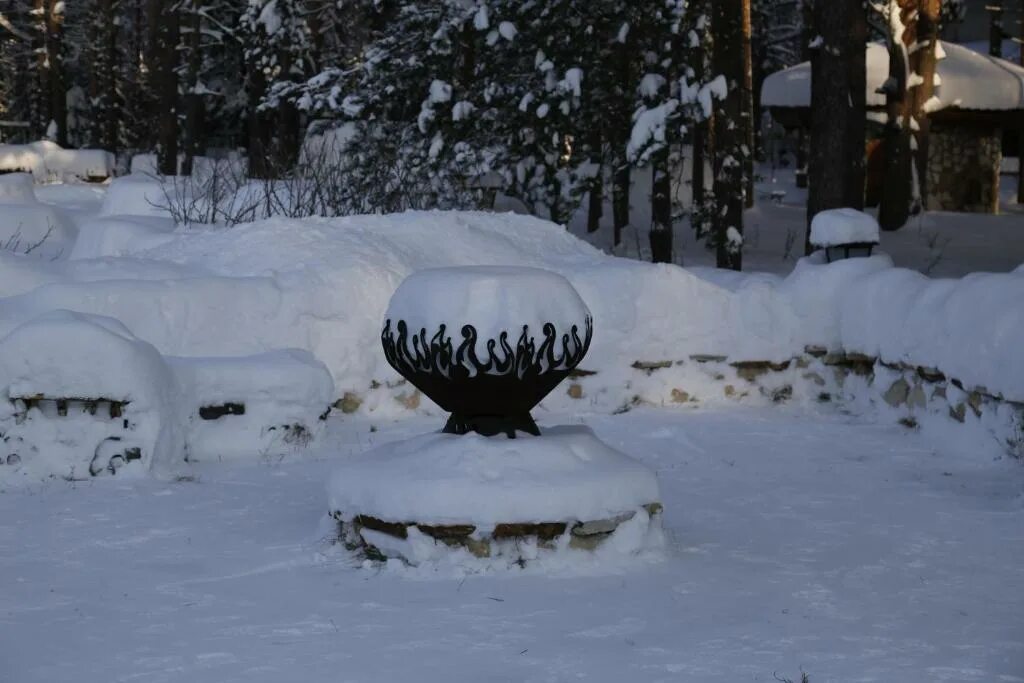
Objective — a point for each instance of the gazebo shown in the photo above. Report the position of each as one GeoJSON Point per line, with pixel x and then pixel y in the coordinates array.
{"type": "Point", "coordinates": [980, 97]}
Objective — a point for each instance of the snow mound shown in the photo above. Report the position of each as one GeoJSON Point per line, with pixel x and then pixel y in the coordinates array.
{"type": "Point", "coordinates": [17, 188]}
{"type": "Point", "coordinates": [135, 195]}
{"type": "Point", "coordinates": [47, 161]}
{"type": "Point", "coordinates": [116, 393]}
{"type": "Point", "coordinates": [37, 230]}
{"type": "Point", "coordinates": [491, 299]}
{"type": "Point", "coordinates": [843, 226]}
{"type": "Point", "coordinates": [567, 474]}
{"type": "Point", "coordinates": [120, 236]}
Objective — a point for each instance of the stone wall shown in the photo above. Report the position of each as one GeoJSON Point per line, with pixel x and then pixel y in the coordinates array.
{"type": "Point", "coordinates": [963, 168]}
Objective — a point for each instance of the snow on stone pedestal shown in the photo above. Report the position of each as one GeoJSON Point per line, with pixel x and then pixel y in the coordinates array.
{"type": "Point", "coordinates": [836, 227]}
{"type": "Point", "coordinates": [492, 487]}
{"type": "Point", "coordinates": [487, 495]}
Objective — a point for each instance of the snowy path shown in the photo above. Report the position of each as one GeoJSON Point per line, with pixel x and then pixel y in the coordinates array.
{"type": "Point", "coordinates": [853, 551]}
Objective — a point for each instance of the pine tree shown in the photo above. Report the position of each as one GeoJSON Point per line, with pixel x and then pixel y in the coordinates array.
{"type": "Point", "coordinates": [276, 44]}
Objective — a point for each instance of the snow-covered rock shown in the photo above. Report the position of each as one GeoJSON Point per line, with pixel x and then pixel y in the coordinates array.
{"type": "Point", "coordinates": [843, 226]}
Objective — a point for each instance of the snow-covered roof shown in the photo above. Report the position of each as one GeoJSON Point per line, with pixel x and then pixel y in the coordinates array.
{"type": "Point", "coordinates": [967, 80]}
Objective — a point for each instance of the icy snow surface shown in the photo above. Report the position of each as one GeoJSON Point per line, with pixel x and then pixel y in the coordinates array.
{"type": "Point", "coordinates": [565, 474]}
{"type": "Point", "coordinates": [854, 551]}
{"type": "Point", "coordinates": [843, 226]}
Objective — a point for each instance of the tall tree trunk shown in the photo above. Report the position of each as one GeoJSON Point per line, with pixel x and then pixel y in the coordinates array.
{"type": "Point", "coordinates": [924, 62]}
{"type": "Point", "coordinates": [661, 207]}
{"type": "Point", "coordinates": [836, 167]}
{"type": "Point", "coordinates": [749, 124]}
{"type": "Point", "coordinates": [620, 200]}
{"type": "Point", "coordinates": [995, 27]}
{"type": "Point", "coordinates": [595, 202]}
{"type": "Point", "coordinates": [195, 104]}
{"type": "Point", "coordinates": [55, 69]}
{"type": "Point", "coordinates": [698, 179]}
{"type": "Point", "coordinates": [166, 85]}
{"type": "Point", "coordinates": [897, 193]}
{"type": "Point", "coordinates": [730, 136]}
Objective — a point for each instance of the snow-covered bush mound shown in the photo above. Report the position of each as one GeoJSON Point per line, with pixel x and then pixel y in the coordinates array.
{"type": "Point", "coordinates": [843, 226]}
{"type": "Point", "coordinates": [264, 404]}
{"type": "Point", "coordinates": [81, 395]}
{"type": "Point", "coordinates": [48, 161]}
{"type": "Point", "coordinates": [135, 195]}
{"type": "Point", "coordinates": [17, 188]}
{"type": "Point", "coordinates": [34, 229]}
{"type": "Point", "coordinates": [120, 235]}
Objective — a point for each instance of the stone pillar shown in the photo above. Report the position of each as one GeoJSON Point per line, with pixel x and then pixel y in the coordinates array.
{"type": "Point", "coordinates": [963, 168]}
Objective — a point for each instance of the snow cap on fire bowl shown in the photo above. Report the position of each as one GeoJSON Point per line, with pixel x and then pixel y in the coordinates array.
{"type": "Point", "coordinates": [487, 344]}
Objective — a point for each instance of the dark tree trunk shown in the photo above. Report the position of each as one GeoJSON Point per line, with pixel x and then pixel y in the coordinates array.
{"type": "Point", "coordinates": [995, 28]}
{"type": "Point", "coordinates": [836, 166]}
{"type": "Point", "coordinates": [749, 124]}
{"type": "Point", "coordinates": [730, 136]}
{"type": "Point", "coordinates": [57, 91]}
{"type": "Point", "coordinates": [195, 104]}
{"type": "Point", "coordinates": [166, 84]}
{"type": "Point", "coordinates": [595, 203]}
{"type": "Point", "coordinates": [698, 179]}
{"type": "Point", "coordinates": [259, 128]}
{"type": "Point", "coordinates": [897, 194]}
{"type": "Point", "coordinates": [924, 62]}
{"type": "Point", "coordinates": [620, 201]}
{"type": "Point", "coordinates": [661, 208]}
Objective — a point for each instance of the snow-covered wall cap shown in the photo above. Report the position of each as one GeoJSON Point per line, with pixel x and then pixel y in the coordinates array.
{"type": "Point", "coordinates": [493, 299]}
{"type": "Point", "coordinates": [965, 80]}
{"type": "Point", "coordinates": [843, 226]}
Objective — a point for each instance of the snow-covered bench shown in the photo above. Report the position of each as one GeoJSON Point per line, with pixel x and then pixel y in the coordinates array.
{"type": "Point", "coordinates": [81, 396]}
{"type": "Point", "coordinates": [261, 404]}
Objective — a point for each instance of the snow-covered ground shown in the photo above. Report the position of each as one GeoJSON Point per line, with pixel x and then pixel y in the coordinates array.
{"type": "Point", "coordinates": [853, 551]}
{"type": "Point", "coordinates": [800, 536]}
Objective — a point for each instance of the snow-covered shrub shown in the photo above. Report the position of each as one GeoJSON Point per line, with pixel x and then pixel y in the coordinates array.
{"type": "Point", "coordinates": [80, 395]}
{"type": "Point", "coordinates": [35, 229]}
